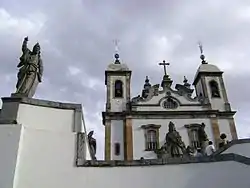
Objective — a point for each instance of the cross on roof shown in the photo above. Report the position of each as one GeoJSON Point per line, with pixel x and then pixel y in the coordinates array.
{"type": "Point", "coordinates": [164, 65]}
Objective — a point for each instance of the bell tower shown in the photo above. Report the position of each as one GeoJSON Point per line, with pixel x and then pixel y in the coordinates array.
{"type": "Point", "coordinates": [209, 86]}
{"type": "Point", "coordinates": [117, 81]}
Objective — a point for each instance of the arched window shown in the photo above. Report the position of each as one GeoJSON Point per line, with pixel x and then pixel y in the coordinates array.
{"type": "Point", "coordinates": [118, 88]}
{"type": "Point", "coordinates": [214, 88]}
{"type": "Point", "coordinates": [151, 140]}
{"type": "Point", "coordinates": [117, 148]}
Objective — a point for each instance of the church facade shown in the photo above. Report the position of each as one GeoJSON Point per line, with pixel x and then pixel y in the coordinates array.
{"type": "Point", "coordinates": [136, 127]}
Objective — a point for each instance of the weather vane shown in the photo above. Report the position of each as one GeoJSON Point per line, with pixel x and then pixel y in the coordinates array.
{"type": "Point", "coordinates": [201, 47]}
{"type": "Point", "coordinates": [202, 56]}
{"type": "Point", "coordinates": [116, 41]}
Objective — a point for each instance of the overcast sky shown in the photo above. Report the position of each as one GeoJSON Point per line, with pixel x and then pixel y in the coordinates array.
{"type": "Point", "coordinates": [77, 41]}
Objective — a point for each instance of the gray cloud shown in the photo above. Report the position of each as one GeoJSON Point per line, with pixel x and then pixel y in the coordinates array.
{"type": "Point", "coordinates": [77, 43]}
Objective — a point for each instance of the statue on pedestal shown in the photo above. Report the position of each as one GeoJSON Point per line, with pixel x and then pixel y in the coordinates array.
{"type": "Point", "coordinates": [92, 145]}
{"type": "Point", "coordinates": [30, 70]}
{"type": "Point", "coordinates": [174, 143]}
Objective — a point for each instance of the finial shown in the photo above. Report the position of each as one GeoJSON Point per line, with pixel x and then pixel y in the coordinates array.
{"type": "Point", "coordinates": [202, 56]}
{"type": "Point", "coordinates": [147, 84]}
{"type": "Point", "coordinates": [116, 52]}
{"type": "Point", "coordinates": [185, 81]}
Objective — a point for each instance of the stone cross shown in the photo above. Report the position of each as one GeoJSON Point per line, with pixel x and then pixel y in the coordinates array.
{"type": "Point", "coordinates": [164, 65]}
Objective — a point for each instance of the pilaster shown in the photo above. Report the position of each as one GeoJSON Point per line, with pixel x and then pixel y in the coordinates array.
{"type": "Point", "coordinates": [107, 140]}
{"type": "Point", "coordinates": [128, 144]}
{"type": "Point", "coordinates": [215, 130]}
{"type": "Point", "coordinates": [233, 129]}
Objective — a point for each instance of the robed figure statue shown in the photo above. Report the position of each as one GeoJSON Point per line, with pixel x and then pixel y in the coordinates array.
{"type": "Point", "coordinates": [30, 70]}
{"type": "Point", "coordinates": [174, 143]}
{"type": "Point", "coordinates": [92, 145]}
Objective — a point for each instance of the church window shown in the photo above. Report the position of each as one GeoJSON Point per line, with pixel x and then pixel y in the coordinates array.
{"type": "Point", "coordinates": [197, 135]}
{"type": "Point", "coordinates": [151, 132]}
{"type": "Point", "coordinates": [169, 103]}
{"type": "Point", "coordinates": [117, 148]}
{"type": "Point", "coordinates": [151, 140]}
{"type": "Point", "coordinates": [118, 89]}
{"type": "Point", "coordinates": [214, 88]}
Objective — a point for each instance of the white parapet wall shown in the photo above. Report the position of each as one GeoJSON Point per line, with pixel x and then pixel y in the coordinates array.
{"type": "Point", "coordinates": [46, 156]}
{"type": "Point", "coordinates": [30, 127]}
{"type": "Point", "coordinates": [9, 142]}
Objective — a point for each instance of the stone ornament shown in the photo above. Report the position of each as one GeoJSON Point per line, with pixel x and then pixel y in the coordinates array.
{"type": "Point", "coordinates": [30, 70]}
{"type": "Point", "coordinates": [92, 145]}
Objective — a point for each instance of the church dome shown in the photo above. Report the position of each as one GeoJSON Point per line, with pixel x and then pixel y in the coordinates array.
{"type": "Point", "coordinates": [117, 67]}
{"type": "Point", "coordinates": [207, 68]}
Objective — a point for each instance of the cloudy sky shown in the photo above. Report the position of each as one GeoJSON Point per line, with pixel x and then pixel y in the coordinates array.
{"type": "Point", "coordinates": [77, 40]}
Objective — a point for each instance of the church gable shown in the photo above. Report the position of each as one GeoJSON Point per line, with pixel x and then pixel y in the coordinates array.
{"type": "Point", "coordinates": [166, 99]}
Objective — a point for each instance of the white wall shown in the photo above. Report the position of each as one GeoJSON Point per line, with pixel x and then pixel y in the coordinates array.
{"type": "Point", "coordinates": [240, 149]}
{"type": "Point", "coordinates": [199, 88]}
{"type": "Point", "coordinates": [139, 139]}
{"type": "Point", "coordinates": [9, 142]}
{"type": "Point", "coordinates": [46, 159]}
{"type": "Point", "coordinates": [45, 169]}
{"type": "Point", "coordinates": [224, 127]}
{"type": "Point", "coordinates": [117, 136]}
{"type": "Point", "coordinates": [52, 119]}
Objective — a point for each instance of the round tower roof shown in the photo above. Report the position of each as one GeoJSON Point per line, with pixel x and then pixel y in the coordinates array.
{"type": "Point", "coordinates": [117, 67]}
{"type": "Point", "coordinates": [207, 68]}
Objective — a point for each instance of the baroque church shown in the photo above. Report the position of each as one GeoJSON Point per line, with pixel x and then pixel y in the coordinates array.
{"type": "Point", "coordinates": [136, 127]}
{"type": "Point", "coordinates": [44, 143]}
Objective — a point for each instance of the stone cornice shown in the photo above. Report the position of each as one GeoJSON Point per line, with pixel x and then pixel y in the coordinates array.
{"type": "Point", "coordinates": [44, 103]}
{"type": "Point", "coordinates": [167, 114]}
{"type": "Point", "coordinates": [218, 74]}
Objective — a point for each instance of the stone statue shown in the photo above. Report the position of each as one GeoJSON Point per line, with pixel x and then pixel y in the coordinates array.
{"type": "Point", "coordinates": [30, 70]}
{"type": "Point", "coordinates": [174, 143]}
{"type": "Point", "coordinates": [92, 145]}
{"type": "Point", "coordinates": [202, 134]}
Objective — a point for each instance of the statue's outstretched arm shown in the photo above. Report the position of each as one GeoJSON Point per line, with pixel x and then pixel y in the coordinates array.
{"type": "Point", "coordinates": [25, 42]}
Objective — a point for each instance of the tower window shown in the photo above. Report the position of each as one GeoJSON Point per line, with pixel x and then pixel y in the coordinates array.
{"type": "Point", "coordinates": [151, 133]}
{"type": "Point", "coordinates": [118, 89]}
{"type": "Point", "coordinates": [215, 92]}
{"type": "Point", "coordinates": [117, 148]}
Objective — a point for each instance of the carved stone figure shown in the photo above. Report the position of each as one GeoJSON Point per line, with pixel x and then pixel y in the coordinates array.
{"type": "Point", "coordinates": [174, 143]}
{"type": "Point", "coordinates": [30, 70]}
{"type": "Point", "coordinates": [92, 145]}
{"type": "Point", "coordinates": [202, 135]}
